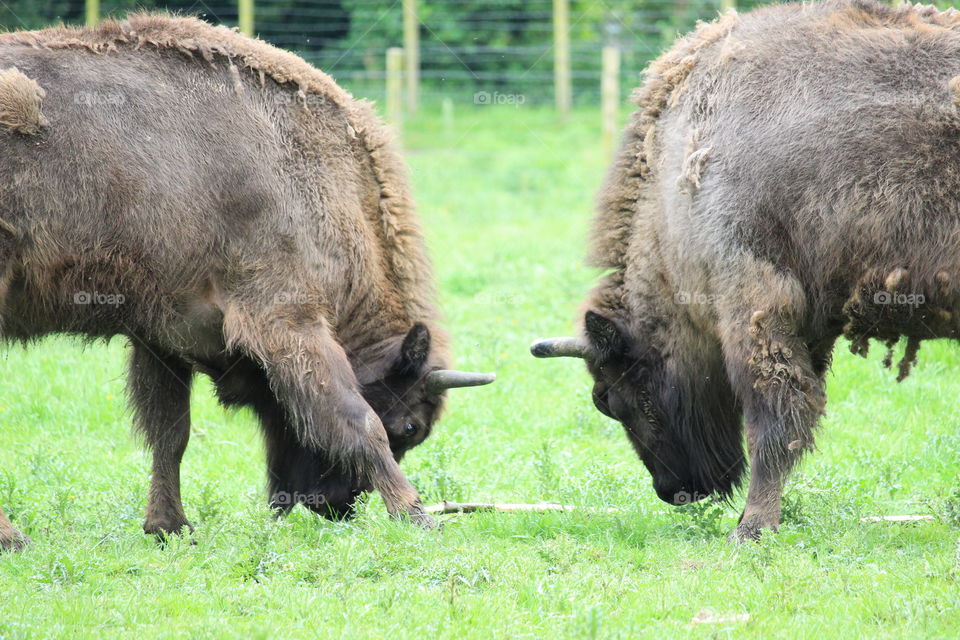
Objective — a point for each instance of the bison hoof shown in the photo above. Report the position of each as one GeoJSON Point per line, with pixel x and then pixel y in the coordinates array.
{"type": "Point", "coordinates": [749, 532]}
{"type": "Point", "coordinates": [163, 530]}
{"type": "Point", "coordinates": [14, 543]}
{"type": "Point", "coordinates": [421, 518]}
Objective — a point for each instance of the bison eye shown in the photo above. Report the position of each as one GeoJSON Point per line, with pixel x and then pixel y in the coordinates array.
{"type": "Point", "coordinates": [410, 429]}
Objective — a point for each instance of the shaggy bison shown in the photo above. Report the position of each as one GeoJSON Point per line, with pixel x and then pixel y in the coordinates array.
{"type": "Point", "coordinates": [791, 175]}
{"type": "Point", "coordinates": [232, 211]}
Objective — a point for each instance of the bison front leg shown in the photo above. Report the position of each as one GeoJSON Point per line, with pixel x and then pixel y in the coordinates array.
{"type": "Point", "coordinates": [10, 538]}
{"type": "Point", "coordinates": [159, 390]}
{"type": "Point", "coordinates": [783, 399]}
{"type": "Point", "coordinates": [314, 383]}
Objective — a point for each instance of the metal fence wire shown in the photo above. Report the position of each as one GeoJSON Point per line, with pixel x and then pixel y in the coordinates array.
{"type": "Point", "coordinates": [494, 50]}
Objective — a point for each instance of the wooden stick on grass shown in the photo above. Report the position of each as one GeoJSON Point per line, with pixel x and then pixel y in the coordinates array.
{"type": "Point", "coordinates": [447, 507]}
{"type": "Point", "coordinates": [898, 519]}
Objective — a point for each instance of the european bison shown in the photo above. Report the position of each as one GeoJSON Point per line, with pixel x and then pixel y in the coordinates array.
{"type": "Point", "coordinates": [232, 211]}
{"type": "Point", "coordinates": [791, 175]}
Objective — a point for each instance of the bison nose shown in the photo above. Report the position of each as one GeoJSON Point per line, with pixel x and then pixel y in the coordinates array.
{"type": "Point", "coordinates": [668, 494]}
{"type": "Point", "coordinates": [678, 493]}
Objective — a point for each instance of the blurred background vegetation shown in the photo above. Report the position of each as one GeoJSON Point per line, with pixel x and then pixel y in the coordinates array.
{"type": "Point", "coordinates": [466, 45]}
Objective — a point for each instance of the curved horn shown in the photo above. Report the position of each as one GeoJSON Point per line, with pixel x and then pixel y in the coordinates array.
{"type": "Point", "coordinates": [560, 348]}
{"type": "Point", "coordinates": [442, 379]}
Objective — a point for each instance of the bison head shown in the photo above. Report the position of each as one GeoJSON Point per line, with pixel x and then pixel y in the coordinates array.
{"type": "Point", "coordinates": [404, 384]}
{"type": "Point", "coordinates": [679, 411]}
{"type": "Point", "coordinates": [401, 379]}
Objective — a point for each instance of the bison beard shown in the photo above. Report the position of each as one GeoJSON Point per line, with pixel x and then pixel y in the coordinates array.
{"type": "Point", "coordinates": [295, 475]}
{"type": "Point", "coordinates": [684, 425]}
{"type": "Point", "coordinates": [791, 176]}
{"type": "Point", "coordinates": [267, 239]}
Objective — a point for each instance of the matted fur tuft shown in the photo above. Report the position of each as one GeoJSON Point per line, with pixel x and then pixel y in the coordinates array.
{"type": "Point", "coordinates": [20, 99]}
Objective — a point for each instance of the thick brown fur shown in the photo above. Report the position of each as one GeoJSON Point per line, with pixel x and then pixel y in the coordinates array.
{"type": "Point", "coordinates": [395, 220]}
{"type": "Point", "coordinates": [233, 211]}
{"type": "Point", "coordinates": [791, 175]}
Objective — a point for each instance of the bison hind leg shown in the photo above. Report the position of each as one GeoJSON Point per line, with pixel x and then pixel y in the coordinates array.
{"type": "Point", "coordinates": [158, 386]}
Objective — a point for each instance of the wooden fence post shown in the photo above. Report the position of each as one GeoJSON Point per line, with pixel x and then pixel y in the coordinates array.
{"type": "Point", "coordinates": [93, 12]}
{"type": "Point", "coordinates": [610, 98]}
{"type": "Point", "coordinates": [411, 49]}
{"type": "Point", "coordinates": [561, 56]}
{"type": "Point", "coordinates": [245, 13]}
{"type": "Point", "coordinates": [395, 86]}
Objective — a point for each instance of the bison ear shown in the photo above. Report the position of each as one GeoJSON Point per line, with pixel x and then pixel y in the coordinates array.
{"type": "Point", "coordinates": [605, 336]}
{"type": "Point", "coordinates": [414, 350]}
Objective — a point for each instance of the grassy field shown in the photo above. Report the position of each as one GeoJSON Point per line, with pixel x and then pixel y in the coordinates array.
{"type": "Point", "coordinates": [506, 197]}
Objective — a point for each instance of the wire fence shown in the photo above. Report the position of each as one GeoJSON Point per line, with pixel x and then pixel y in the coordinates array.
{"type": "Point", "coordinates": [470, 50]}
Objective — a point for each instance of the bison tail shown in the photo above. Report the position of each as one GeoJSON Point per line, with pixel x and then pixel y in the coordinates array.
{"type": "Point", "coordinates": [20, 99]}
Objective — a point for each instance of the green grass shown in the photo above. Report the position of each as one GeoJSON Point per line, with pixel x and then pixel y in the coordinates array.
{"type": "Point", "coordinates": [506, 198]}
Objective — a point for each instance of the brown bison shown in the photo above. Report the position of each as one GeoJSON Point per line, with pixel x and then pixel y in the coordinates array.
{"type": "Point", "coordinates": [791, 175]}
{"type": "Point", "coordinates": [232, 211]}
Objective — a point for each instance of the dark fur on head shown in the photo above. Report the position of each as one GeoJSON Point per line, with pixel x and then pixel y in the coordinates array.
{"type": "Point", "coordinates": [394, 384]}
{"type": "Point", "coordinates": [684, 425]}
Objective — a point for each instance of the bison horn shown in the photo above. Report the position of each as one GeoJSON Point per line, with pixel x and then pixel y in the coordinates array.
{"type": "Point", "coordinates": [560, 348]}
{"type": "Point", "coordinates": [442, 379]}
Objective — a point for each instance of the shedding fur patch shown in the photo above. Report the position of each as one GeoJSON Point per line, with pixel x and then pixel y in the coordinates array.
{"type": "Point", "coordinates": [665, 84]}
{"type": "Point", "coordinates": [887, 305]}
{"type": "Point", "coordinates": [20, 99]}
{"type": "Point", "coordinates": [859, 13]}
{"type": "Point", "coordinates": [955, 88]}
{"type": "Point", "coordinates": [772, 360]}
{"type": "Point", "coordinates": [784, 378]}
{"type": "Point", "coordinates": [667, 76]}
{"type": "Point", "coordinates": [693, 165]}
